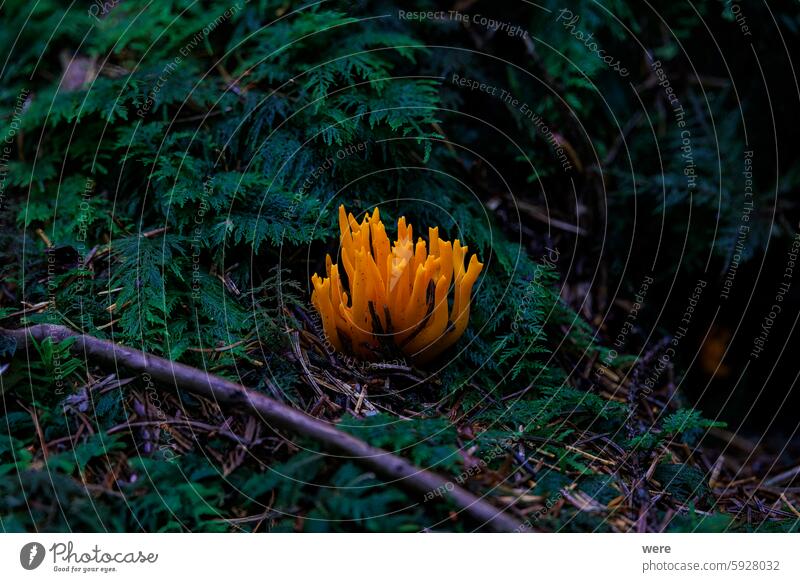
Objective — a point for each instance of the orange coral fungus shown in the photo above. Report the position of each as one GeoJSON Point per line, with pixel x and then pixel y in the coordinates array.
{"type": "Point", "coordinates": [398, 292]}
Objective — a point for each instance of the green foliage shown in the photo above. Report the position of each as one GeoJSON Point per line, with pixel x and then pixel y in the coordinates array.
{"type": "Point", "coordinates": [174, 184]}
{"type": "Point", "coordinates": [692, 521]}
{"type": "Point", "coordinates": [685, 420]}
{"type": "Point", "coordinates": [48, 372]}
{"type": "Point", "coordinates": [429, 442]}
{"type": "Point", "coordinates": [682, 481]}
{"type": "Point", "coordinates": [171, 500]}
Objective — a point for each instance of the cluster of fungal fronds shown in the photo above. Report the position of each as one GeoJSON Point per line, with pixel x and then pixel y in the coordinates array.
{"type": "Point", "coordinates": [395, 294]}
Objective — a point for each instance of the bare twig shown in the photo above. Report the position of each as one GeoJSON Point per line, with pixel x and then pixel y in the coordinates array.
{"type": "Point", "coordinates": [785, 476]}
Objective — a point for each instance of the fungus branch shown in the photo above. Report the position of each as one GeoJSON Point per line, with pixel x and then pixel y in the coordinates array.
{"type": "Point", "coordinates": [396, 291]}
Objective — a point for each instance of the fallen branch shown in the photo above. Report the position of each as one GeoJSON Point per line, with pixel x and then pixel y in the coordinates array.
{"type": "Point", "coordinates": [277, 415]}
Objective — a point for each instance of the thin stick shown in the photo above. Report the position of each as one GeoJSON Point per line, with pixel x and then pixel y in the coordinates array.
{"type": "Point", "coordinates": [394, 469]}
{"type": "Point", "coordinates": [785, 476]}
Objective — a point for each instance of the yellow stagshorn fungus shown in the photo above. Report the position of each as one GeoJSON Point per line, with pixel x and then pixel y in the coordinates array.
{"type": "Point", "coordinates": [398, 292]}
